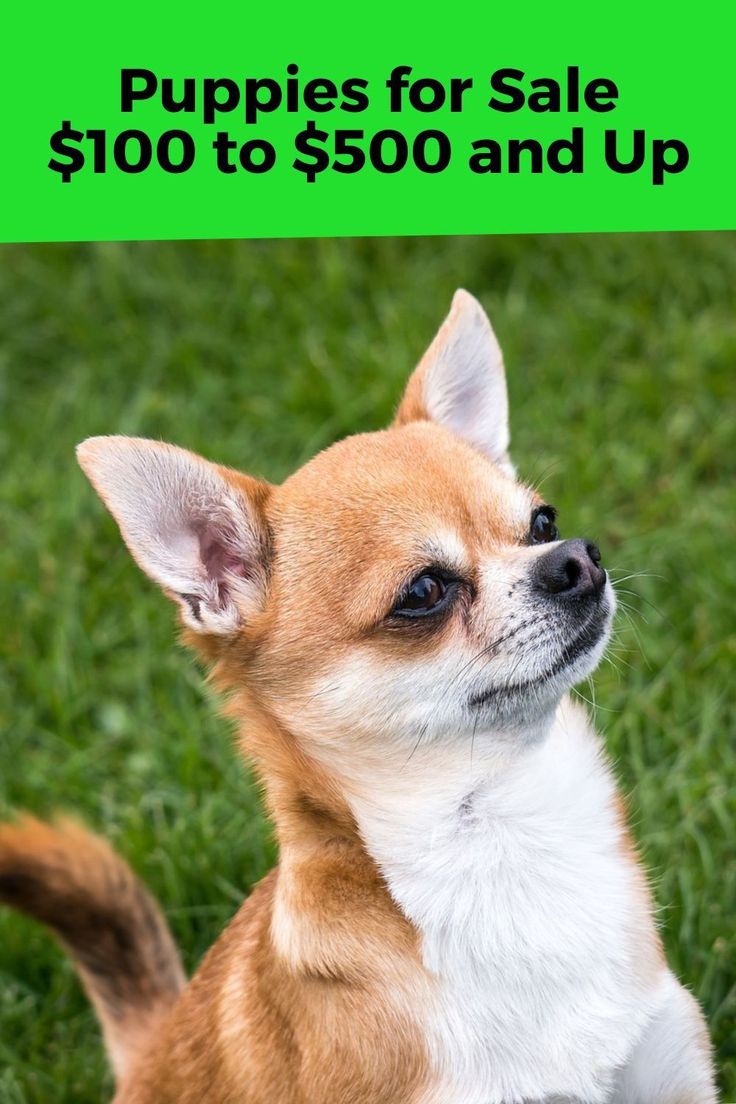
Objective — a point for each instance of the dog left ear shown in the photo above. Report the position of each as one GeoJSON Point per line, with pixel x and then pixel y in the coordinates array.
{"type": "Point", "coordinates": [460, 382]}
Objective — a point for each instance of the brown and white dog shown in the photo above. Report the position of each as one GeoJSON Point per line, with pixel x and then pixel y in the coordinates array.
{"type": "Point", "coordinates": [458, 915]}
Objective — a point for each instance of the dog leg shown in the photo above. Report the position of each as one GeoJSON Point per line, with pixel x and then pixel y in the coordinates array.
{"type": "Point", "coordinates": [672, 1063]}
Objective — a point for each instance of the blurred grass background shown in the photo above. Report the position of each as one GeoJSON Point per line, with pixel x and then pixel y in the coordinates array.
{"type": "Point", "coordinates": [621, 353]}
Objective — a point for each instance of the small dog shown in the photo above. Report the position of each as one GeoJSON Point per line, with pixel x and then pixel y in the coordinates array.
{"type": "Point", "coordinates": [459, 915]}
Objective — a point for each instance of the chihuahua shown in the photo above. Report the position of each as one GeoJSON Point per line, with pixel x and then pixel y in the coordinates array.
{"type": "Point", "coordinates": [459, 915]}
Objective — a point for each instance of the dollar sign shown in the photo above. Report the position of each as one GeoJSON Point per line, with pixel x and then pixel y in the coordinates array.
{"type": "Point", "coordinates": [305, 143]}
{"type": "Point", "coordinates": [61, 143]}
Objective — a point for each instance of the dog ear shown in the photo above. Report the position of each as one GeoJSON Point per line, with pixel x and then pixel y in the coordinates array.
{"type": "Point", "coordinates": [195, 528]}
{"type": "Point", "coordinates": [460, 382]}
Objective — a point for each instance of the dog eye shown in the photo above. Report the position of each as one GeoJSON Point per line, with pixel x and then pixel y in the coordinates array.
{"type": "Point", "coordinates": [426, 594]}
{"type": "Point", "coordinates": [543, 528]}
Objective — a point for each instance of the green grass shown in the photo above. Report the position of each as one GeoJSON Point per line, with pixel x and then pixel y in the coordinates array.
{"type": "Point", "coordinates": [621, 354]}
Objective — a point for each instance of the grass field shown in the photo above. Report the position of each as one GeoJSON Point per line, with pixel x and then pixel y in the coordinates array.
{"type": "Point", "coordinates": [621, 354]}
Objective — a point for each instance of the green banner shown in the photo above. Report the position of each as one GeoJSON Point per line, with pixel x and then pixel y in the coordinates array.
{"type": "Point", "coordinates": [196, 121]}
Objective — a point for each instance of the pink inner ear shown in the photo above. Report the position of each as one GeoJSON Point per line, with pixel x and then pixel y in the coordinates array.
{"type": "Point", "coordinates": [219, 552]}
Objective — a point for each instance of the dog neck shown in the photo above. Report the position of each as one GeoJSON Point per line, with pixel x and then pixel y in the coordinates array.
{"type": "Point", "coordinates": [457, 815]}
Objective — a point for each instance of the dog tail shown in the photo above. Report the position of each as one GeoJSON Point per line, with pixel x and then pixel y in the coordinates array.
{"type": "Point", "coordinates": [72, 881]}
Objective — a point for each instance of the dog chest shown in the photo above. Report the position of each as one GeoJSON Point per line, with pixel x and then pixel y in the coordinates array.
{"type": "Point", "coordinates": [533, 927]}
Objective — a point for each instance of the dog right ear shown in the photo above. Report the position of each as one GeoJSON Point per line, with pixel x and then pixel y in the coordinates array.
{"type": "Point", "coordinates": [197, 529]}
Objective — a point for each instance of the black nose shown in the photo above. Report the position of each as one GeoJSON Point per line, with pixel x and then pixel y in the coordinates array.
{"type": "Point", "coordinates": [571, 570]}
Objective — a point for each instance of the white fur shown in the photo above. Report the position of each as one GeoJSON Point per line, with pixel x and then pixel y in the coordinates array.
{"type": "Point", "coordinates": [464, 386]}
{"type": "Point", "coordinates": [672, 1062]}
{"type": "Point", "coordinates": [509, 862]}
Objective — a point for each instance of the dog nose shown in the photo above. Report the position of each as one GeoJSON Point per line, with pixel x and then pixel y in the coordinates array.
{"type": "Point", "coordinates": [571, 570]}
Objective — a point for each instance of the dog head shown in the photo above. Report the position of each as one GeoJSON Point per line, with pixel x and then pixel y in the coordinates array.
{"type": "Point", "coordinates": [401, 586]}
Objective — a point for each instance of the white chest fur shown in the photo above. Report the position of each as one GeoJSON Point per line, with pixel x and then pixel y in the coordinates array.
{"type": "Point", "coordinates": [531, 914]}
